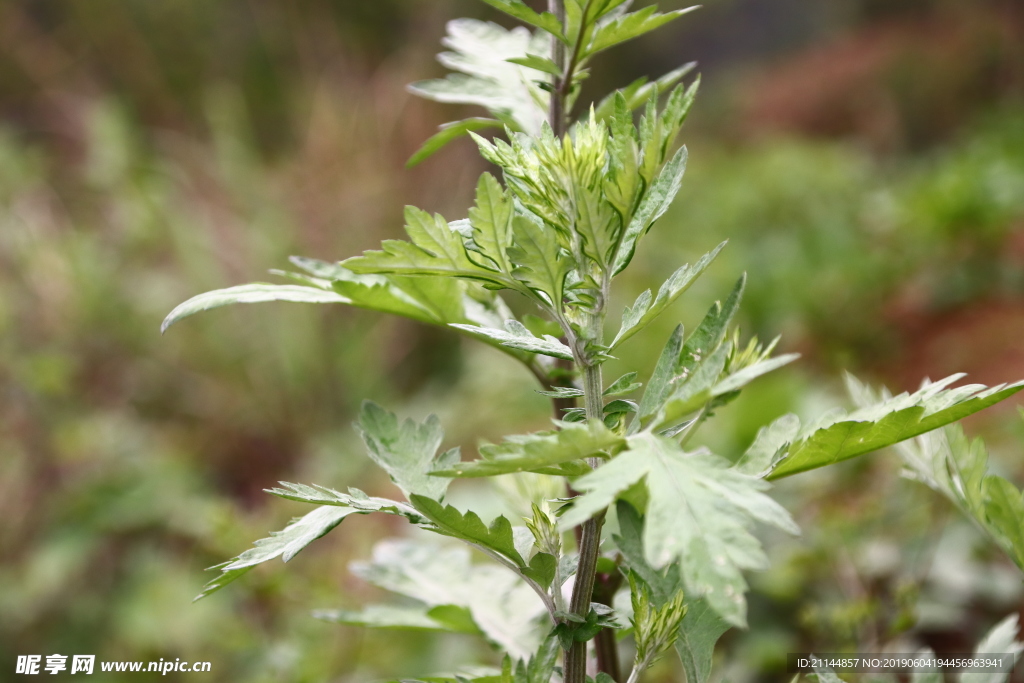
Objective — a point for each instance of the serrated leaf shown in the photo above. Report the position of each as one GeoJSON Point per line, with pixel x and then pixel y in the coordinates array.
{"type": "Point", "coordinates": [503, 606]}
{"type": "Point", "coordinates": [449, 132]}
{"type": "Point", "coordinates": [250, 294]}
{"type": "Point", "coordinates": [435, 250]}
{"type": "Point", "coordinates": [540, 263]}
{"type": "Point", "coordinates": [406, 450]}
{"type": "Point", "coordinates": [491, 220]}
{"type": "Point", "coordinates": [631, 25]}
{"type": "Point", "coordinates": [532, 452]}
{"type": "Point", "coordinates": [698, 514]}
{"type": "Point", "coordinates": [523, 12]}
{"type": "Point", "coordinates": [654, 204]}
{"type": "Point", "coordinates": [516, 336]}
{"type": "Point", "coordinates": [468, 526]}
{"type": "Point", "coordinates": [598, 223]}
{"type": "Point", "coordinates": [644, 310]}
{"type": "Point", "coordinates": [842, 436]}
{"type": "Point", "coordinates": [284, 544]}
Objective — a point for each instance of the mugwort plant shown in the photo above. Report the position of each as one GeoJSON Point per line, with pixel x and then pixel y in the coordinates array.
{"type": "Point", "coordinates": [571, 202]}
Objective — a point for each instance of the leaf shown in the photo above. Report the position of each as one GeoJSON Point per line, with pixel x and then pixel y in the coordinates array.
{"type": "Point", "coordinates": [516, 336]}
{"type": "Point", "coordinates": [321, 495]}
{"type": "Point", "coordinates": [698, 514]}
{"type": "Point", "coordinates": [640, 91]}
{"type": "Point", "coordinates": [532, 452]}
{"type": "Point", "coordinates": [543, 64]}
{"type": "Point", "coordinates": [623, 385]}
{"type": "Point", "coordinates": [521, 11]}
{"type": "Point", "coordinates": [739, 379]}
{"type": "Point", "coordinates": [500, 603]}
{"type": "Point", "coordinates": [767, 446]}
{"type": "Point", "coordinates": [542, 569]}
{"type": "Point", "coordinates": [480, 51]}
{"type": "Point", "coordinates": [1004, 516]}
{"type": "Point", "coordinates": [449, 132]}
{"type": "Point", "coordinates": [406, 451]}
{"type": "Point", "coordinates": [435, 250]}
{"type": "Point", "coordinates": [660, 383]}
{"type": "Point", "coordinates": [441, 618]}
{"type": "Point", "coordinates": [675, 376]}
{"type": "Point", "coordinates": [644, 310]}
{"type": "Point", "coordinates": [284, 544]}
{"type": "Point", "coordinates": [631, 25]}
{"type": "Point", "coordinates": [701, 627]}
{"type": "Point", "coordinates": [693, 390]}
{"type": "Point", "coordinates": [491, 220]}
{"type": "Point", "coordinates": [654, 204]}
{"type": "Point", "coordinates": [540, 263]}
{"type": "Point", "coordinates": [946, 461]}
{"type": "Point", "coordinates": [1002, 639]}
{"type": "Point", "coordinates": [698, 634]}
{"type": "Point", "coordinates": [469, 527]}
{"type": "Point", "coordinates": [250, 294]}
{"type": "Point", "coordinates": [842, 436]}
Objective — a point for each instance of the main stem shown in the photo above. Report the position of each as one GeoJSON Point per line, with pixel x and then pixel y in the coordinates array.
{"type": "Point", "coordinates": [589, 537]}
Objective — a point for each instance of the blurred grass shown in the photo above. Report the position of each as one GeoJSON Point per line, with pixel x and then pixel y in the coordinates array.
{"type": "Point", "coordinates": [150, 152]}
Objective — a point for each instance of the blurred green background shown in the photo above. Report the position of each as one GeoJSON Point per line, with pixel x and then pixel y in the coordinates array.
{"type": "Point", "coordinates": [864, 157]}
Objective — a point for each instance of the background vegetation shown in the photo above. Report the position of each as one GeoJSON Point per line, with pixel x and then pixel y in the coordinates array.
{"type": "Point", "coordinates": [865, 158]}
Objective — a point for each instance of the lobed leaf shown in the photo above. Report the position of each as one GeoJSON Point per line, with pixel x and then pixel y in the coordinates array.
{"type": "Point", "coordinates": [284, 544]}
{"type": "Point", "coordinates": [654, 204]}
{"type": "Point", "coordinates": [516, 336]}
{"type": "Point", "coordinates": [631, 25]}
{"type": "Point", "coordinates": [841, 436]}
{"type": "Point", "coordinates": [698, 514]}
{"type": "Point", "coordinates": [701, 627]}
{"type": "Point", "coordinates": [435, 250]}
{"type": "Point", "coordinates": [540, 263]}
{"type": "Point", "coordinates": [520, 10]}
{"type": "Point", "coordinates": [406, 451]}
{"type": "Point", "coordinates": [644, 310]}
{"type": "Point", "coordinates": [540, 451]}
{"type": "Point", "coordinates": [501, 605]}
